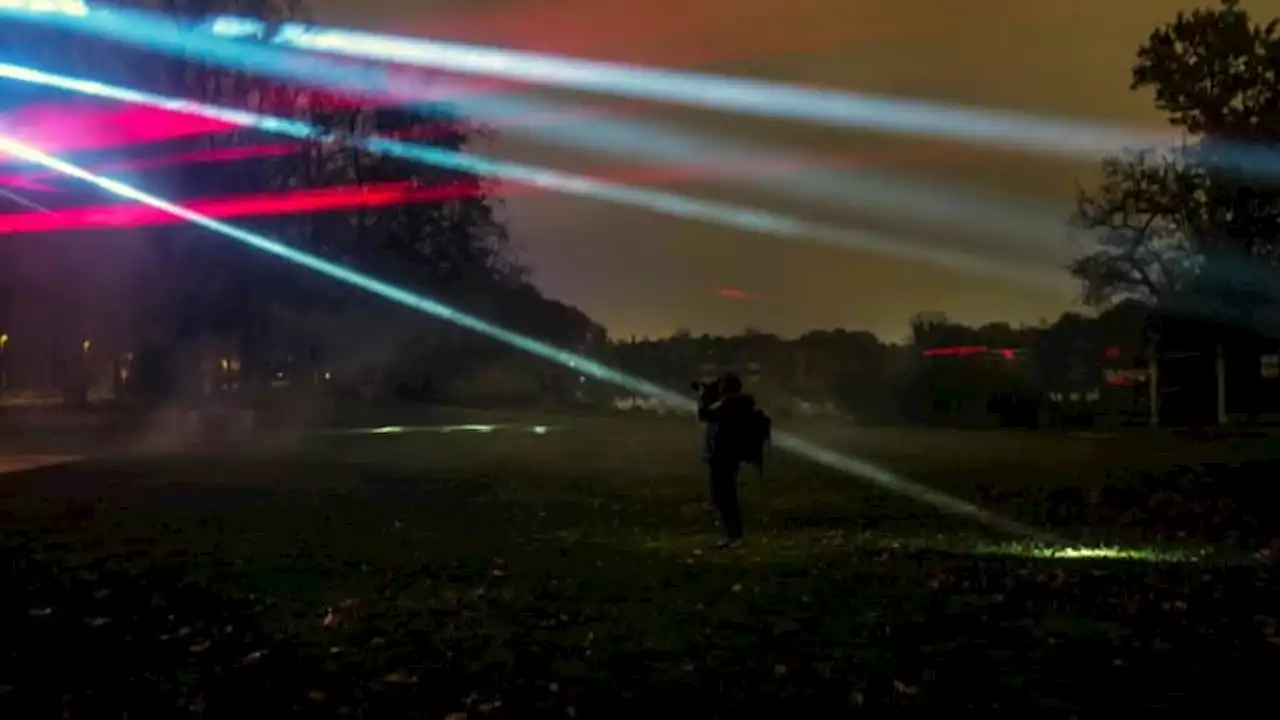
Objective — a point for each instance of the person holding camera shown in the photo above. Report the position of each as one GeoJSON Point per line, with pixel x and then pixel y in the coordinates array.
{"type": "Point", "coordinates": [736, 432]}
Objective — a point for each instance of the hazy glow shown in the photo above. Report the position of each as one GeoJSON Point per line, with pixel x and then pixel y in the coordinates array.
{"type": "Point", "coordinates": [582, 365]}
{"type": "Point", "coordinates": [70, 8]}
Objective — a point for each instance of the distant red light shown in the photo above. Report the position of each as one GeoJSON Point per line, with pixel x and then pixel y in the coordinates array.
{"type": "Point", "coordinates": [1113, 352]}
{"type": "Point", "coordinates": [966, 350]}
{"type": "Point", "coordinates": [729, 293]}
{"type": "Point", "coordinates": [957, 350]}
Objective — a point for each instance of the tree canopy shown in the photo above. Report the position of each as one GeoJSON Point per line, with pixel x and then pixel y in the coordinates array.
{"type": "Point", "coordinates": [1193, 229]}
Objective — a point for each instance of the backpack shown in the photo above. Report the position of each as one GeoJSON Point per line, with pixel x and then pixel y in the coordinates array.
{"type": "Point", "coordinates": [759, 435]}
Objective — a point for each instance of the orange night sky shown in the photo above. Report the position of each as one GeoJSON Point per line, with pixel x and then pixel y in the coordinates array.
{"type": "Point", "coordinates": [641, 273]}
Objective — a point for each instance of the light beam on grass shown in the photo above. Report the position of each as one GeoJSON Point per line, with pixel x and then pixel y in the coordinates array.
{"type": "Point", "coordinates": [582, 365]}
{"type": "Point", "coordinates": [1092, 552]}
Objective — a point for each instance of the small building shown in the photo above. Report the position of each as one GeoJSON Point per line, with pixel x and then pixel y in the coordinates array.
{"type": "Point", "coordinates": [1209, 374]}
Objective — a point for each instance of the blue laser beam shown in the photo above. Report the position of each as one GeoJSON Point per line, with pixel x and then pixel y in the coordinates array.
{"type": "Point", "coordinates": [718, 92]}
{"type": "Point", "coordinates": [912, 117]}
{"type": "Point", "coordinates": [1042, 232]}
{"type": "Point", "coordinates": [724, 214]}
{"type": "Point", "coordinates": [25, 202]}
{"type": "Point", "coordinates": [583, 365]}
{"type": "Point", "coordinates": [825, 106]}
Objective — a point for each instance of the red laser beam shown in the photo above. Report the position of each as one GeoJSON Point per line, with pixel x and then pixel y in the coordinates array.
{"type": "Point", "coordinates": [298, 201]}
{"type": "Point", "coordinates": [347, 198]}
{"type": "Point", "coordinates": [31, 180]}
{"type": "Point", "coordinates": [19, 182]}
{"type": "Point", "coordinates": [287, 203]}
{"type": "Point", "coordinates": [73, 127]}
{"type": "Point", "coordinates": [775, 164]}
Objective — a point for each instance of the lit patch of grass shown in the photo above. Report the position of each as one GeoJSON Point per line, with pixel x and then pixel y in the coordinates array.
{"type": "Point", "coordinates": [777, 546]}
{"type": "Point", "coordinates": [1094, 552]}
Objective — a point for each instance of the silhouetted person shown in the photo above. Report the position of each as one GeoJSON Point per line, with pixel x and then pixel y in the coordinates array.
{"type": "Point", "coordinates": [736, 433]}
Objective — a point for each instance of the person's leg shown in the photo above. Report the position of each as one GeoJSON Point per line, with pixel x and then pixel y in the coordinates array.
{"type": "Point", "coordinates": [733, 510]}
{"type": "Point", "coordinates": [717, 485]}
{"type": "Point", "coordinates": [724, 493]}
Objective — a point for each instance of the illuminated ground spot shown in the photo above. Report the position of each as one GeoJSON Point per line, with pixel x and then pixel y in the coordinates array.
{"type": "Point", "coordinates": [443, 429]}
{"type": "Point", "coordinates": [1091, 552]}
{"type": "Point", "coordinates": [778, 545]}
{"type": "Point", "coordinates": [23, 463]}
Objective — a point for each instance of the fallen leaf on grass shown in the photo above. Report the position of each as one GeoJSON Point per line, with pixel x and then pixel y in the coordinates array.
{"type": "Point", "coordinates": [253, 657]}
{"type": "Point", "coordinates": [401, 677]}
{"type": "Point", "coordinates": [904, 688]}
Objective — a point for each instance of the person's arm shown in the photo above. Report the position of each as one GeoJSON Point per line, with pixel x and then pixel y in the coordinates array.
{"type": "Point", "coordinates": [710, 413]}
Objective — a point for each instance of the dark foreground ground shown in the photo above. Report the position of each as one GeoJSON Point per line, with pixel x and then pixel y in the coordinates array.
{"type": "Point", "coordinates": [570, 572]}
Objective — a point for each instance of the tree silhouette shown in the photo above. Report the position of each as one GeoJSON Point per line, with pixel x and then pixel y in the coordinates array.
{"type": "Point", "coordinates": [456, 249]}
{"type": "Point", "coordinates": [1187, 229]}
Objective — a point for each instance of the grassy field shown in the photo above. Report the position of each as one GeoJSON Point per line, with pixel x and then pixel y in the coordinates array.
{"type": "Point", "coordinates": [569, 570]}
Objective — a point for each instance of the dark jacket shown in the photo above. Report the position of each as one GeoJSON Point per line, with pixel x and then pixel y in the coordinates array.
{"type": "Point", "coordinates": [729, 428]}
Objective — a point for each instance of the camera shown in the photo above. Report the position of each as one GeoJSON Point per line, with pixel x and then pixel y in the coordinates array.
{"type": "Point", "coordinates": [708, 391]}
